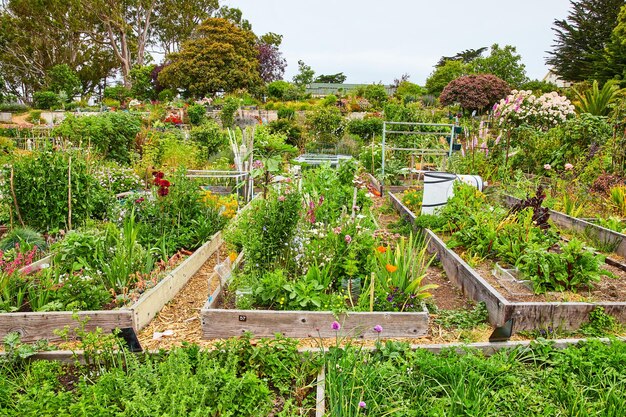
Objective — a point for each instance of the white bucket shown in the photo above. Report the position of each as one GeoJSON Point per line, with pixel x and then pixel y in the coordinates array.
{"type": "Point", "coordinates": [439, 187]}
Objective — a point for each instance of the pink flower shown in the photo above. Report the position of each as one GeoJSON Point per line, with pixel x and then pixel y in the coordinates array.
{"type": "Point", "coordinates": [281, 198]}
{"type": "Point", "coordinates": [348, 239]}
{"type": "Point", "coordinates": [378, 328]}
{"type": "Point", "coordinates": [337, 229]}
{"type": "Point", "coordinates": [362, 404]}
{"type": "Point", "coordinates": [569, 167]}
{"type": "Point", "coordinates": [547, 167]}
{"type": "Point", "coordinates": [335, 325]}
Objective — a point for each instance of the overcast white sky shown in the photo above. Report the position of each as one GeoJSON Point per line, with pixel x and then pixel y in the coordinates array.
{"type": "Point", "coordinates": [372, 41]}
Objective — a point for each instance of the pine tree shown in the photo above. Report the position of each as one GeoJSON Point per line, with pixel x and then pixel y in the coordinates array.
{"type": "Point", "coordinates": [579, 50]}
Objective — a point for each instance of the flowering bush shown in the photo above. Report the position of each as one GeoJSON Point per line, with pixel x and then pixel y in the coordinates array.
{"type": "Point", "coordinates": [226, 205]}
{"type": "Point", "coordinates": [523, 107]}
{"type": "Point", "coordinates": [118, 179]}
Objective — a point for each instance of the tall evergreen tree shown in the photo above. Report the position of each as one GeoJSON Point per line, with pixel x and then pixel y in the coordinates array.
{"type": "Point", "coordinates": [579, 48]}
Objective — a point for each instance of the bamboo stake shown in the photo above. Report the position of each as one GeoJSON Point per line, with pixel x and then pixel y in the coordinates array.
{"type": "Point", "coordinates": [372, 292]}
{"type": "Point", "coordinates": [69, 194]}
{"type": "Point", "coordinates": [17, 207]}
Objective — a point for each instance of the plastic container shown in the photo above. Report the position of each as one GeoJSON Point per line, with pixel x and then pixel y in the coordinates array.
{"type": "Point", "coordinates": [439, 187]}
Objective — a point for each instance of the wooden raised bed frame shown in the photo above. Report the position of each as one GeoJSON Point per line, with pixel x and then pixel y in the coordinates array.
{"type": "Point", "coordinates": [223, 323]}
{"type": "Point", "coordinates": [524, 315]}
{"type": "Point", "coordinates": [41, 325]}
{"type": "Point", "coordinates": [604, 235]}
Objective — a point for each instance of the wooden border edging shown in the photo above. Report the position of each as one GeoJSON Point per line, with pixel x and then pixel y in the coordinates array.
{"type": "Point", "coordinates": [526, 315]}
{"type": "Point", "coordinates": [35, 266]}
{"type": "Point", "coordinates": [488, 348]}
{"type": "Point", "coordinates": [33, 326]}
{"type": "Point", "coordinates": [151, 302]}
{"type": "Point", "coordinates": [223, 323]}
{"type": "Point", "coordinates": [604, 235]}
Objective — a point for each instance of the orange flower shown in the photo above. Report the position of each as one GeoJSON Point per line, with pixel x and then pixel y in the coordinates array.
{"type": "Point", "coordinates": [391, 268]}
{"type": "Point", "coordinates": [381, 249]}
{"type": "Point", "coordinates": [232, 256]}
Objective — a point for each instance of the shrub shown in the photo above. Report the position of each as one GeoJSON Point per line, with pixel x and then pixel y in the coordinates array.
{"type": "Point", "coordinates": [376, 95]}
{"type": "Point", "coordinates": [286, 113]}
{"type": "Point", "coordinates": [290, 129]}
{"type": "Point", "coordinates": [118, 92]}
{"type": "Point", "coordinates": [112, 134]}
{"type": "Point", "coordinates": [166, 95]}
{"type": "Point", "coordinates": [210, 137]}
{"type": "Point", "coordinates": [475, 91]}
{"type": "Point", "coordinates": [46, 100]}
{"type": "Point", "coordinates": [329, 100]}
{"type": "Point", "coordinates": [523, 107]}
{"type": "Point", "coordinates": [277, 89]}
{"type": "Point", "coordinates": [13, 107]}
{"type": "Point", "coordinates": [366, 128]}
{"type": "Point", "coordinates": [196, 113]}
{"type": "Point", "coordinates": [326, 124]}
{"type": "Point", "coordinates": [227, 115]}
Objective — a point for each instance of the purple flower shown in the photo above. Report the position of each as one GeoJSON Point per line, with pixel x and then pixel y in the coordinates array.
{"type": "Point", "coordinates": [362, 404]}
{"type": "Point", "coordinates": [378, 328]}
{"type": "Point", "coordinates": [348, 239]}
{"type": "Point", "coordinates": [258, 164]}
{"type": "Point", "coordinates": [335, 325]}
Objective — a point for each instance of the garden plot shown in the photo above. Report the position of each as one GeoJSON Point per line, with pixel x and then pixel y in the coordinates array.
{"type": "Point", "coordinates": [601, 236]}
{"type": "Point", "coordinates": [328, 262]}
{"type": "Point", "coordinates": [113, 274]}
{"type": "Point", "coordinates": [538, 298]}
{"type": "Point", "coordinates": [33, 326]}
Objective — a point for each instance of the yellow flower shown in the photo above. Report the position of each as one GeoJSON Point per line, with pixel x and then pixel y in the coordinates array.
{"type": "Point", "coordinates": [232, 256]}
{"type": "Point", "coordinates": [391, 268]}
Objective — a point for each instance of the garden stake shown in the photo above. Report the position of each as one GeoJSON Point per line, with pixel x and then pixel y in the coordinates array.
{"type": "Point", "coordinates": [17, 208]}
{"type": "Point", "coordinates": [69, 194]}
{"type": "Point", "coordinates": [372, 293]}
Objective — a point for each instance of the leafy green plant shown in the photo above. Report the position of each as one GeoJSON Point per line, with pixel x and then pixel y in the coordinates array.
{"type": "Point", "coordinates": [111, 134]}
{"type": "Point", "coordinates": [618, 198]}
{"type": "Point", "coordinates": [597, 101]}
{"type": "Point", "coordinates": [196, 113]}
{"type": "Point", "coordinates": [40, 190]}
{"type": "Point", "coordinates": [399, 273]}
{"type": "Point", "coordinates": [463, 318]}
{"type": "Point", "coordinates": [23, 237]}
{"type": "Point", "coordinates": [227, 115]}
{"type": "Point", "coordinates": [600, 324]}
{"type": "Point", "coordinates": [574, 267]}
{"type": "Point", "coordinates": [210, 137]}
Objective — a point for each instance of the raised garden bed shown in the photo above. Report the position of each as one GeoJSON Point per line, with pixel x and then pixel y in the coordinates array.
{"type": "Point", "coordinates": [529, 315]}
{"type": "Point", "coordinates": [602, 234]}
{"type": "Point", "coordinates": [219, 322]}
{"type": "Point", "coordinates": [33, 326]}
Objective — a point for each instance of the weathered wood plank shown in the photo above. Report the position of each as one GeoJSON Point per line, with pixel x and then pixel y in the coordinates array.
{"type": "Point", "coordinates": [401, 208]}
{"type": "Point", "coordinates": [320, 394]}
{"type": "Point", "coordinates": [603, 234]}
{"type": "Point", "coordinates": [35, 266]}
{"type": "Point", "coordinates": [156, 298]}
{"type": "Point", "coordinates": [487, 348]}
{"type": "Point", "coordinates": [36, 326]}
{"type": "Point", "coordinates": [459, 272]}
{"type": "Point", "coordinates": [468, 280]}
{"type": "Point", "coordinates": [220, 323]}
